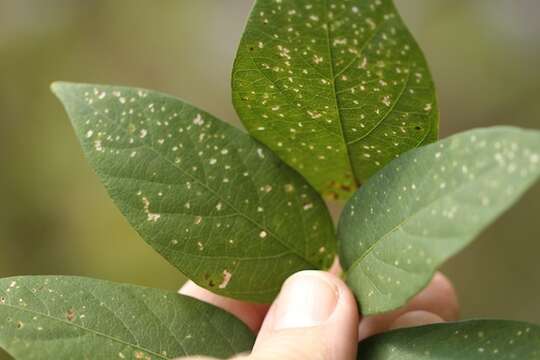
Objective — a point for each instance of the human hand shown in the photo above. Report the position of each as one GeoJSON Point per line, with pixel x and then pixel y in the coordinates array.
{"type": "Point", "coordinates": [316, 316]}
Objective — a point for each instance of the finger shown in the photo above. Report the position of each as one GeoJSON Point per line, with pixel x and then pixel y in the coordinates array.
{"type": "Point", "coordinates": [314, 317]}
{"type": "Point", "coordinates": [415, 318]}
{"type": "Point", "coordinates": [336, 269]}
{"type": "Point", "coordinates": [251, 314]}
{"type": "Point", "coordinates": [438, 298]}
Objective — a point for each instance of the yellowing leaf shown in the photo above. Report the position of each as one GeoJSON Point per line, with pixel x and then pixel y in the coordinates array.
{"type": "Point", "coordinates": [337, 88]}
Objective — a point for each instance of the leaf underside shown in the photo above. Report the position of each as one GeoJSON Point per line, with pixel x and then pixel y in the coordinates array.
{"type": "Point", "coordinates": [426, 206]}
{"type": "Point", "coordinates": [77, 318]}
{"type": "Point", "coordinates": [468, 340]}
{"type": "Point", "coordinates": [337, 88]}
{"type": "Point", "coordinates": [214, 202]}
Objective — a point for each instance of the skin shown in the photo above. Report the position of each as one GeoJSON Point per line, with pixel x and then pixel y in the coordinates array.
{"type": "Point", "coordinates": [316, 317]}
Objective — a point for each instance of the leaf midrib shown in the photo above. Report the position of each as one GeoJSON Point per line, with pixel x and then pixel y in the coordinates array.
{"type": "Point", "coordinates": [332, 79]}
{"type": "Point", "coordinates": [372, 247]}
{"type": "Point", "coordinates": [254, 222]}
{"type": "Point", "coordinates": [386, 115]}
{"type": "Point", "coordinates": [334, 92]}
{"type": "Point", "coordinates": [95, 332]}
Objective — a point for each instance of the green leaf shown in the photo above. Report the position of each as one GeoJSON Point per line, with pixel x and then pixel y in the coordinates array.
{"type": "Point", "coordinates": [78, 318]}
{"type": "Point", "coordinates": [426, 206]}
{"type": "Point", "coordinates": [214, 202]}
{"type": "Point", "coordinates": [468, 340]}
{"type": "Point", "coordinates": [337, 88]}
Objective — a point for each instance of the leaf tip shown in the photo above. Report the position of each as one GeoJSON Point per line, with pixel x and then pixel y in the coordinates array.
{"type": "Point", "coordinates": [59, 88]}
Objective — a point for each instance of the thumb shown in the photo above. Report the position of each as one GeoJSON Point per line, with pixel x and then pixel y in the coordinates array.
{"type": "Point", "coordinates": [314, 317]}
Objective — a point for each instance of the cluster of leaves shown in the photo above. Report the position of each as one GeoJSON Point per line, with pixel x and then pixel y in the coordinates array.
{"type": "Point", "coordinates": [337, 96]}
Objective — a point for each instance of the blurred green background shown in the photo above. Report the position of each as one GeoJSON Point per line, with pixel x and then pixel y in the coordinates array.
{"type": "Point", "coordinates": [55, 217]}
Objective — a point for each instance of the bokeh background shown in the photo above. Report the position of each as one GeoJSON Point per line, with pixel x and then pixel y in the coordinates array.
{"type": "Point", "coordinates": [55, 217]}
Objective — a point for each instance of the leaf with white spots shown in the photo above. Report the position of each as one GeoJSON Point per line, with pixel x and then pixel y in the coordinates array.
{"type": "Point", "coordinates": [337, 88]}
{"type": "Point", "coordinates": [78, 318]}
{"type": "Point", "coordinates": [214, 202]}
{"type": "Point", "coordinates": [426, 206]}
{"type": "Point", "coordinates": [467, 340]}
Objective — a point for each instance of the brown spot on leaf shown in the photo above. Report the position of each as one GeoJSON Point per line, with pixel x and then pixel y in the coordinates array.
{"type": "Point", "coordinates": [346, 188]}
{"type": "Point", "coordinates": [70, 314]}
{"type": "Point", "coordinates": [140, 355]}
{"type": "Point", "coordinates": [331, 195]}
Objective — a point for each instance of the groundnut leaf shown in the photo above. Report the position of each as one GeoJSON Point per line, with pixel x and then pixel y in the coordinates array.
{"type": "Point", "coordinates": [215, 203]}
{"type": "Point", "coordinates": [468, 340]}
{"type": "Point", "coordinates": [78, 318]}
{"type": "Point", "coordinates": [337, 88]}
{"type": "Point", "coordinates": [427, 205]}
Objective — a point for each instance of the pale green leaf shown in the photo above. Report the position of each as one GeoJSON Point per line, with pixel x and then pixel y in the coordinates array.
{"type": "Point", "coordinates": [426, 206]}
{"type": "Point", "coordinates": [337, 88]}
{"type": "Point", "coordinates": [215, 203]}
{"type": "Point", "coordinates": [468, 340]}
{"type": "Point", "coordinates": [77, 318]}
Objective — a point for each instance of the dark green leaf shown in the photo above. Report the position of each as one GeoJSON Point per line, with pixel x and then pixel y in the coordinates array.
{"type": "Point", "coordinates": [468, 340]}
{"type": "Point", "coordinates": [426, 206]}
{"type": "Point", "coordinates": [77, 318]}
{"type": "Point", "coordinates": [214, 202]}
{"type": "Point", "coordinates": [337, 88]}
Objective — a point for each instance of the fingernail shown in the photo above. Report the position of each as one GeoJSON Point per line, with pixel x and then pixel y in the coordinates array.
{"type": "Point", "coordinates": [307, 299]}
